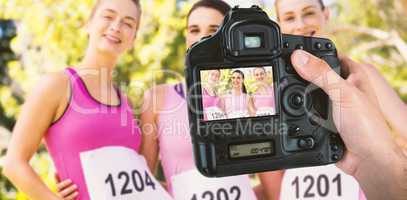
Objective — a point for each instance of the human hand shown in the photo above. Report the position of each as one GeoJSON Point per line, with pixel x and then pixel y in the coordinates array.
{"type": "Point", "coordinates": [372, 155]}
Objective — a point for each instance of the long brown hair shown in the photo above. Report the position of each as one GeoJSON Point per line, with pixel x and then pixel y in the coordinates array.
{"type": "Point", "coordinates": [244, 90]}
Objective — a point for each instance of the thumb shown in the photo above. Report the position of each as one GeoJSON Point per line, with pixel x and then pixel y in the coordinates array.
{"type": "Point", "coordinates": [318, 72]}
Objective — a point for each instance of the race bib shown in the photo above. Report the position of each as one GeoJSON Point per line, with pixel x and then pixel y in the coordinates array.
{"type": "Point", "coordinates": [265, 111]}
{"type": "Point", "coordinates": [192, 185]}
{"type": "Point", "coordinates": [214, 113]}
{"type": "Point", "coordinates": [319, 183]}
{"type": "Point", "coordinates": [238, 114]}
{"type": "Point", "coordinates": [119, 173]}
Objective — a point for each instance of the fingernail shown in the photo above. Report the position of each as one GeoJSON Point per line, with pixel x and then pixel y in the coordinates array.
{"type": "Point", "coordinates": [300, 58]}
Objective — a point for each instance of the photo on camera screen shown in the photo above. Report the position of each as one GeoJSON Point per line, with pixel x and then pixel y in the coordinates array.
{"type": "Point", "coordinates": [237, 93]}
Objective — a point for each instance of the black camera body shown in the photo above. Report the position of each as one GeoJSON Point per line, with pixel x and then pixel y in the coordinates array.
{"type": "Point", "coordinates": [299, 133]}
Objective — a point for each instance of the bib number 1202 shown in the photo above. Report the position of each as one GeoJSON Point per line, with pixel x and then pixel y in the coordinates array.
{"type": "Point", "coordinates": [134, 180]}
{"type": "Point", "coordinates": [221, 194]}
{"type": "Point", "coordinates": [322, 184]}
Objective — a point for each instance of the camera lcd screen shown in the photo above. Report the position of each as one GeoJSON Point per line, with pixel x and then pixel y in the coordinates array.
{"type": "Point", "coordinates": [253, 41]}
{"type": "Point", "coordinates": [249, 150]}
{"type": "Point", "coordinates": [237, 93]}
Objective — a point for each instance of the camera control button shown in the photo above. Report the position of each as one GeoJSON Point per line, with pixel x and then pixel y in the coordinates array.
{"type": "Point", "coordinates": [294, 131]}
{"type": "Point", "coordinates": [300, 46]}
{"type": "Point", "coordinates": [318, 46]}
{"type": "Point", "coordinates": [334, 147]}
{"type": "Point", "coordinates": [335, 157]}
{"type": "Point", "coordinates": [329, 45]}
{"type": "Point", "coordinates": [286, 45]}
{"type": "Point", "coordinates": [297, 100]}
{"type": "Point", "coordinates": [306, 143]}
{"type": "Point", "coordinates": [294, 100]}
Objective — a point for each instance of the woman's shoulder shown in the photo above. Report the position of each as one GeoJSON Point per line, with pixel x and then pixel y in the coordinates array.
{"type": "Point", "coordinates": [160, 93]}
{"type": "Point", "coordinates": [53, 83]}
{"type": "Point", "coordinates": [161, 89]}
{"type": "Point", "coordinates": [51, 90]}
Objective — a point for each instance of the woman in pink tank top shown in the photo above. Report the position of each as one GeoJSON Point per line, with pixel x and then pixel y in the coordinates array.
{"type": "Point", "coordinates": [237, 102]}
{"type": "Point", "coordinates": [263, 96]}
{"type": "Point", "coordinates": [212, 103]}
{"type": "Point", "coordinates": [90, 133]}
{"type": "Point", "coordinates": [165, 112]}
{"type": "Point", "coordinates": [307, 18]}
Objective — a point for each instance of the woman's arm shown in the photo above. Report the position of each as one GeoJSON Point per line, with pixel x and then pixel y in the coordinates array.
{"type": "Point", "coordinates": [149, 144]}
{"type": "Point", "coordinates": [37, 114]}
{"type": "Point", "coordinates": [271, 182]}
{"type": "Point", "coordinates": [252, 109]}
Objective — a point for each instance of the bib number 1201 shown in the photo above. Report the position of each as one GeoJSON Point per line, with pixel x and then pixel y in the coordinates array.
{"type": "Point", "coordinates": [134, 181]}
{"type": "Point", "coordinates": [322, 184]}
{"type": "Point", "coordinates": [221, 194]}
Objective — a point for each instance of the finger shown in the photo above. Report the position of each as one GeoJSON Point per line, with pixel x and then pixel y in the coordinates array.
{"type": "Point", "coordinates": [57, 178]}
{"type": "Point", "coordinates": [318, 72]}
{"type": "Point", "coordinates": [68, 191]}
{"type": "Point", "coordinates": [71, 196]}
{"type": "Point", "coordinates": [378, 91]}
{"type": "Point", "coordinates": [64, 184]}
{"type": "Point", "coordinates": [347, 64]}
{"type": "Point", "coordinates": [344, 66]}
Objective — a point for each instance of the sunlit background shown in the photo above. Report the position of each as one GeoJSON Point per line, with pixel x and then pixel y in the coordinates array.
{"type": "Point", "coordinates": [40, 36]}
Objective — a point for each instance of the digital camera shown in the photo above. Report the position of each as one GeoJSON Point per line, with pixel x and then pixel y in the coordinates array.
{"type": "Point", "coordinates": [249, 111]}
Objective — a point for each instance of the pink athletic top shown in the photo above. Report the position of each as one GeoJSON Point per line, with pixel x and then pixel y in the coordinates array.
{"type": "Point", "coordinates": [88, 125]}
{"type": "Point", "coordinates": [264, 100]}
{"type": "Point", "coordinates": [173, 133]}
{"type": "Point", "coordinates": [236, 104]}
{"type": "Point", "coordinates": [209, 101]}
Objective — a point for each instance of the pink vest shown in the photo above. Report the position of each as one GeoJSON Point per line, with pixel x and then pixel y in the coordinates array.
{"type": "Point", "coordinates": [88, 125]}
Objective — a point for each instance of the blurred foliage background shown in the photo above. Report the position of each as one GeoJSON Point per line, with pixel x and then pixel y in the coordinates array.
{"type": "Point", "coordinates": [50, 37]}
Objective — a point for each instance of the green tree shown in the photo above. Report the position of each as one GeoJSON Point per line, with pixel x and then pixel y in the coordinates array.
{"type": "Point", "coordinates": [375, 31]}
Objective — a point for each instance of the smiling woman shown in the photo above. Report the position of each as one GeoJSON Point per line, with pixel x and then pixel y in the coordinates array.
{"type": "Point", "coordinates": [86, 122]}
{"type": "Point", "coordinates": [122, 31]}
{"type": "Point", "coordinates": [307, 17]}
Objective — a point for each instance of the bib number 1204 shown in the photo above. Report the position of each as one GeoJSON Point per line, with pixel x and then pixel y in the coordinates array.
{"type": "Point", "coordinates": [132, 182]}
{"type": "Point", "coordinates": [234, 193]}
{"type": "Point", "coordinates": [322, 184]}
